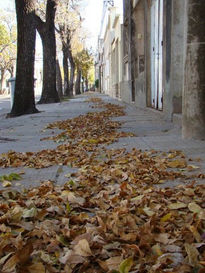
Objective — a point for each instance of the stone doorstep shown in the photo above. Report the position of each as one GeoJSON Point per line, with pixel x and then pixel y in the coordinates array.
{"type": "Point", "coordinates": [177, 118]}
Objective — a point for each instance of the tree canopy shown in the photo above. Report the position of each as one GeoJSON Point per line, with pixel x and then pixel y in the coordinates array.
{"type": "Point", "coordinates": [7, 45]}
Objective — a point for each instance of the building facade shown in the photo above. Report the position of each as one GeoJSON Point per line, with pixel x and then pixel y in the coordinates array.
{"type": "Point", "coordinates": [163, 50]}
{"type": "Point", "coordinates": [157, 58]}
{"type": "Point", "coordinates": [109, 60]}
{"type": "Point", "coordinates": [153, 52]}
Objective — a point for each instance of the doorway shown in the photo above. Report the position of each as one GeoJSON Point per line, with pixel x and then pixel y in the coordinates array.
{"type": "Point", "coordinates": [157, 54]}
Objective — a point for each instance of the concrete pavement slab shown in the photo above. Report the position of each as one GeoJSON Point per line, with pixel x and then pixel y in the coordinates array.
{"type": "Point", "coordinates": [24, 133]}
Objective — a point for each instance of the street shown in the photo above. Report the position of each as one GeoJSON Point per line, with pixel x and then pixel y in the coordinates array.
{"type": "Point", "coordinates": [4, 103]}
{"type": "Point", "coordinates": [24, 134]}
{"type": "Point", "coordinates": [95, 185]}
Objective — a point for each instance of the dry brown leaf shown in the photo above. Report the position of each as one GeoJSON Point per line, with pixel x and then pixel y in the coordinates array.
{"type": "Point", "coordinates": [83, 248]}
{"type": "Point", "coordinates": [36, 268]}
{"type": "Point", "coordinates": [114, 262]}
{"type": "Point", "coordinates": [192, 253]}
{"type": "Point", "coordinates": [177, 164]}
{"type": "Point", "coordinates": [193, 207]}
{"type": "Point", "coordinates": [177, 205]}
{"type": "Point", "coordinates": [11, 264]}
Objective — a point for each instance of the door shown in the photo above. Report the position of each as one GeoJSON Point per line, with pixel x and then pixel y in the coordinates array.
{"type": "Point", "coordinates": [157, 54]}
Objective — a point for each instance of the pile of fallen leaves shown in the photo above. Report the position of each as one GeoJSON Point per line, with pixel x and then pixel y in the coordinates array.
{"type": "Point", "coordinates": [108, 217]}
{"type": "Point", "coordinates": [105, 227]}
{"type": "Point", "coordinates": [83, 135]}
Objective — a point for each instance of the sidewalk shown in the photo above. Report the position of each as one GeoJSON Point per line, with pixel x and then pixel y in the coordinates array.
{"type": "Point", "coordinates": [24, 134]}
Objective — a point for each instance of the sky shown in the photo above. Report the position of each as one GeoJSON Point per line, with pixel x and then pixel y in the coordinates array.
{"type": "Point", "coordinates": [91, 12]}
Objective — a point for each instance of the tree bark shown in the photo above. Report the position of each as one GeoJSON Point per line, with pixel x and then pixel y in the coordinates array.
{"type": "Point", "coordinates": [47, 34]}
{"type": "Point", "coordinates": [86, 84]}
{"type": "Point", "coordinates": [59, 79]}
{"type": "Point", "coordinates": [11, 71]}
{"type": "Point", "coordinates": [24, 101]}
{"type": "Point", "coordinates": [77, 83]}
{"type": "Point", "coordinates": [65, 70]}
{"type": "Point", "coordinates": [72, 73]}
{"type": "Point", "coordinates": [2, 80]}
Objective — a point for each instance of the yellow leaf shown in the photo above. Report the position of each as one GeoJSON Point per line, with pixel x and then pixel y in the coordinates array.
{"type": "Point", "coordinates": [126, 265]}
{"type": "Point", "coordinates": [93, 141]}
{"type": "Point", "coordinates": [6, 184]}
{"type": "Point", "coordinates": [83, 248]}
{"type": "Point", "coordinates": [177, 164]}
{"type": "Point", "coordinates": [178, 205]}
{"type": "Point", "coordinates": [166, 217]}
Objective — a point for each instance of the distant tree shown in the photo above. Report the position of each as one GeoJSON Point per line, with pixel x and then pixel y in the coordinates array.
{"type": "Point", "coordinates": [46, 30]}
{"type": "Point", "coordinates": [7, 60]}
{"type": "Point", "coordinates": [59, 79]}
{"type": "Point", "coordinates": [65, 39]}
{"type": "Point", "coordinates": [68, 24]}
{"type": "Point", "coordinates": [84, 64]}
{"type": "Point", "coordinates": [7, 45]}
{"type": "Point", "coordinates": [24, 102]}
{"type": "Point", "coordinates": [4, 40]}
{"type": "Point", "coordinates": [4, 37]}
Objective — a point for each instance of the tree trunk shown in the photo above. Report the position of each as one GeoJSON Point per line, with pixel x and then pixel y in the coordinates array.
{"type": "Point", "coordinates": [59, 79]}
{"type": "Point", "coordinates": [11, 71]}
{"type": "Point", "coordinates": [2, 80]}
{"type": "Point", "coordinates": [72, 73]}
{"type": "Point", "coordinates": [86, 84]}
{"type": "Point", "coordinates": [47, 33]}
{"type": "Point", "coordinates": [77, 83]}
{"type": "Point", "coordinates": [82, 87]}
{"type": "Point", "coordinates": [24, 102]}
{"type": "Point", "coordinates": [65, 70]}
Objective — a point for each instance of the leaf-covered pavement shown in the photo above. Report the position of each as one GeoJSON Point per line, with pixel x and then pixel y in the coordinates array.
{"type": "Point", "coordinates": [109, 216]}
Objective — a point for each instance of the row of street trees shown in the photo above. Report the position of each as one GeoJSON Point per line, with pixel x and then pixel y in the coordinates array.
{"type": "Point", "coordinates": [48, 18]}
{"type": "Point", "coordinates": [7, 46]}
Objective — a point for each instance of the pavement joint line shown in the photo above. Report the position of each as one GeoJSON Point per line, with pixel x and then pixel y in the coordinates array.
{"type": "Point", "coordinates": [145, 142]}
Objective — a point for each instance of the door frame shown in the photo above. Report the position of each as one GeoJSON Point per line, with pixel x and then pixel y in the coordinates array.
{"type": "Point", "coordinates": [157, 54]}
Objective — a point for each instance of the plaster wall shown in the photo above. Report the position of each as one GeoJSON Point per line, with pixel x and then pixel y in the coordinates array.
{"type": "Point", "coordinates": [175, 22]}
{"type": "Point", "coordinates": [139, 56]}
{"type": "Point", "coordinates": [117, 60]}
{"type": "Point", "coordinates": [177, 62]}
{"type": "Point", "coordinates": [124, 90]}
{"type": "Point", "coordinates": [193, 121]}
